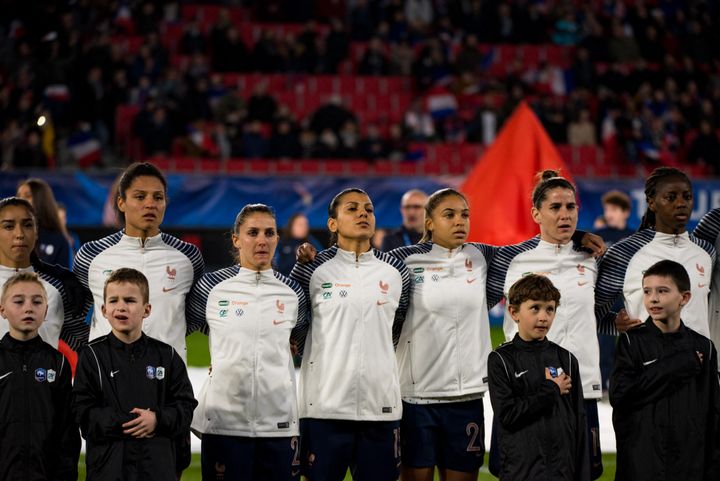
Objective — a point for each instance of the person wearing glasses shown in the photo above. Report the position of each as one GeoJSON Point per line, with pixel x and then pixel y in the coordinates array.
{"type": "Point", "coordinates": [412, 208]}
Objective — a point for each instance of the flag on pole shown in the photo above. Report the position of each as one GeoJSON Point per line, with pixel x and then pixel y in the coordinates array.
{"type": "Point", "coordinates": [499, 187]}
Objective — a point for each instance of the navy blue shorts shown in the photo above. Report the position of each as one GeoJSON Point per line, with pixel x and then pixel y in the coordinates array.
{"type": "Point", "coordinates": [449, 436]}
{"type": "Point", "coordinates": [371, 449]}
{"type": "Point", "coordinates": [237, 458]}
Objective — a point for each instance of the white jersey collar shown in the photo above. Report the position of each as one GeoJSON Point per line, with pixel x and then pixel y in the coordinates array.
{"type": "Point", "coordinates": [138, 242]}
{"type": "Point", "coordinates": [350, 256]}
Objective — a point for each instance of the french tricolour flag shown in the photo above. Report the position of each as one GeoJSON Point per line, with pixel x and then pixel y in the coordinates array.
{"type": "Point", "coordinates": [85, 148]}
{"type": "Point", "coordinates": [441, 103]}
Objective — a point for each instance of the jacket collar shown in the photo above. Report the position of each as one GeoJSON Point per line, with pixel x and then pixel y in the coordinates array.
{"type": "Point", "coordinates": [13, 344]}
{"type": "Point", "coordinates": [155, 240]}
{"type": "Point", "coordinates": [348, 256]}
{"type": "Point", "coordinates": [530, 345]}
{"type": "Point", "coordinates": [137, 347]}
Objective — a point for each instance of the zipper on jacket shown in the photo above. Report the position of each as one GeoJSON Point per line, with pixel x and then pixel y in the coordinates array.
{"type": "Point", "coordinates": [676, 239]}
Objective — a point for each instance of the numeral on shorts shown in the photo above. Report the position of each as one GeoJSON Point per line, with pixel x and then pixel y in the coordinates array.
{"type": "Point", "coordinates": [295, 445]}
{"type": "Point", "coordinates": [473, 430]}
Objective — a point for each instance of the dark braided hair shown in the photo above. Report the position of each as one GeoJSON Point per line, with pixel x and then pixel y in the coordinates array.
{"type": "Point", "coordinates": [659, 175]}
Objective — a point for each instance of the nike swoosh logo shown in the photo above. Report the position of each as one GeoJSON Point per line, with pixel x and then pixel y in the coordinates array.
{"type": "Point", "coordinates": [6, 375]}
{"type": "Point", "coordinates": [112, 373]}
{"type": "Point", "coordinates": [166, 289]}
{"type": "Point", "coordinates": [647, 363]}
{"type": "Point", "coordinates": [380, 303]}
{"type": "Point", "coordinates": [276, 322]}
{"type": "Point", "coordinates": [295, 473]}
{"type": "Point", "coordinates": [582, 283]}
{"type": "Point", "coordinates": [471, 280]}
{"type": "Point", "coordinates": [519, 374]}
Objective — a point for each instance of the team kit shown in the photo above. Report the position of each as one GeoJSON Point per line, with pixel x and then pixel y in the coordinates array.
{"type": "Point", "coordinates": [395, 354]}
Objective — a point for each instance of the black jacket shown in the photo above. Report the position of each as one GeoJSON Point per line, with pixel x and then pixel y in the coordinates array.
{"type": "Point", "coordinates": [541, 432]}
{"type": "Point", "coordinates": [400, 237]}
{"type": "Point", "coordinates": [666, 405]}
{"type": "Point", "coordinates": [38, 437]}
{"type": "Point", "coordinates": [111, 379]}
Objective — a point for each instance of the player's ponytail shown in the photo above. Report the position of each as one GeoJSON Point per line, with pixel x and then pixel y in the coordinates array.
{"type": "Point", "coordinates": [547, 180]}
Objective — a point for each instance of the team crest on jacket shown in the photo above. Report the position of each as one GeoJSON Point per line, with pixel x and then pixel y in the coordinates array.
{"type": "Point", "coordinates": [150, 372]}
{"type": "Point", "coordinates": [468, 265]}
{"type": "Point", "coordinates": [700, 269]}
{"type": "Point", "coordinates": [384, 286]}
{"type": "Point", "coordinates": [581, 269]}
{"type": "Point", "coordinates": [171, 273]}
{"type": "Point", "coordinates": [51, 375]}
{"type": "Point", "coordinates": [280, 307]}
{"type": "Point", "coordinates": [159, 373]}
{"type": "Point", "coordinates": [40, 374]}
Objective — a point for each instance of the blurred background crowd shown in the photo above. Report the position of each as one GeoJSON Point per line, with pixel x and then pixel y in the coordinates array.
{"type": "Point", "coordinates": [100, 82]}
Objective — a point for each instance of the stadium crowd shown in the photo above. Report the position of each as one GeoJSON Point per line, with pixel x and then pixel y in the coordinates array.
{"type": "Point", "coordinates": [638, 76]}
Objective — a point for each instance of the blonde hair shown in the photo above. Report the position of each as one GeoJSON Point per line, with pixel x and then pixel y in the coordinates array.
{"type": "Point", "coordinates": [19, 278]}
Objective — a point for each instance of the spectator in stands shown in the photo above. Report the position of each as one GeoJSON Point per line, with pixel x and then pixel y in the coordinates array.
{"type": "Point", "coordinates": [29, 153]}
{"type": "Point", "coordinates": [373, 147]}
{"type": "Point", "coordinates": [581, 131]}
{"type": "Point", "coordinates": [261, 105]}
{"type": "Point", "coordinates": [230, 53]}
{"type": "Point", "coordinates": [284, 142]}
{"type": "Point", "coordinates": [418, 124]}
{"type": "Point", "coordinates": [412, 209]}
{"type": "Point", "coordinates": [338, 44]}
{"type": "Point", "coordinates": [374, 61]}
{"type": "Point", "coordinates": [706, 147]}
{"type": "Point", "coordinates": [296, 233]}
{"type": "Point", "coordinates": [349, 141]}
{"type": "Point", "coordinates": [254, 144]}
{"type": "Point", "coordinates": [53, 246]}
{"type": "Point", "coordinates": [332, 115]}
{"type": "Point", "coordinates": [193, 40]}
{"type": "Point", "coordinates": [419, 14]}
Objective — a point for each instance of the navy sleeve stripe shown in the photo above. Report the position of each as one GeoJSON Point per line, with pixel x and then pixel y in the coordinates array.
{"type": "Point", "coordinates": [190, 251]}
{"type": "Point", "coordinates": [299, 333]}
{"type": "Point", "coordinates": [89, 251]}
{"type": "Point", "coordinates": [74, 331]}
{"type": "Point", "coordinates": [403, 253]}
{"type": "Point", "coordinates": [708, 228]}
{"type": "Point", "coordinates": [707, 246]}
{"type": "Point", "coordinates": [611, 277]}
{"type": "Point", "coordinates": [499, 266]}
{"type": "Point", "coordinates": [486, 250]}
{"type": "Point", "coordinates": [302, 273]}
{"type": "Point", "coordinates": [198, 297]}
{"type": "Point", "coordinates": [404, 303]}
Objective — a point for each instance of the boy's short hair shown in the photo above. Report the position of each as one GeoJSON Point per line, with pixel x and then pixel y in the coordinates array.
{"type": "Point", "coordinates": [533, 287]}
{"type": "Point", "coordinates": [673, 270]}
{"type": "Point", "coordinates": [618, 198]}
{"type": "Point", "coordinates": [22, 277]}
{"type": "Point", "coordinates": [131, 276]}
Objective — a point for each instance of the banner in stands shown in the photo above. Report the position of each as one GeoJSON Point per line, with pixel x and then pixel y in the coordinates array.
{"type": "Point", "coordinates": [212, 201]}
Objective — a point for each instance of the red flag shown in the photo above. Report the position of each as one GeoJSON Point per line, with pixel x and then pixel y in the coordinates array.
{"type": "Point", "coordinates": [501, 183]}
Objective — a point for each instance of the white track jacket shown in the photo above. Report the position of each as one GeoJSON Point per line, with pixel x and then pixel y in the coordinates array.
{"type": "Point", "coordinates": [171, 267]}
{"type": "Point", "coordinates": [358, 304]}
{"type": "Point", "coordinates": [573, 272]}
{"type": "Point", "coordinates": [445, 341]}
{"type": "Point", "coordinates": [250, 315]}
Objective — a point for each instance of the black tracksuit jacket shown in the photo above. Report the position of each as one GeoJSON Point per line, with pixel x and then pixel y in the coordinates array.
{"type": "Point", "coordinates": [666, 406]}
{"type": "Point", "coordinates": [38, 438]}
{"type": "Point", "coordinates": [111, 379]}
{"type": "Point", "coordinates": [542, 434]}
